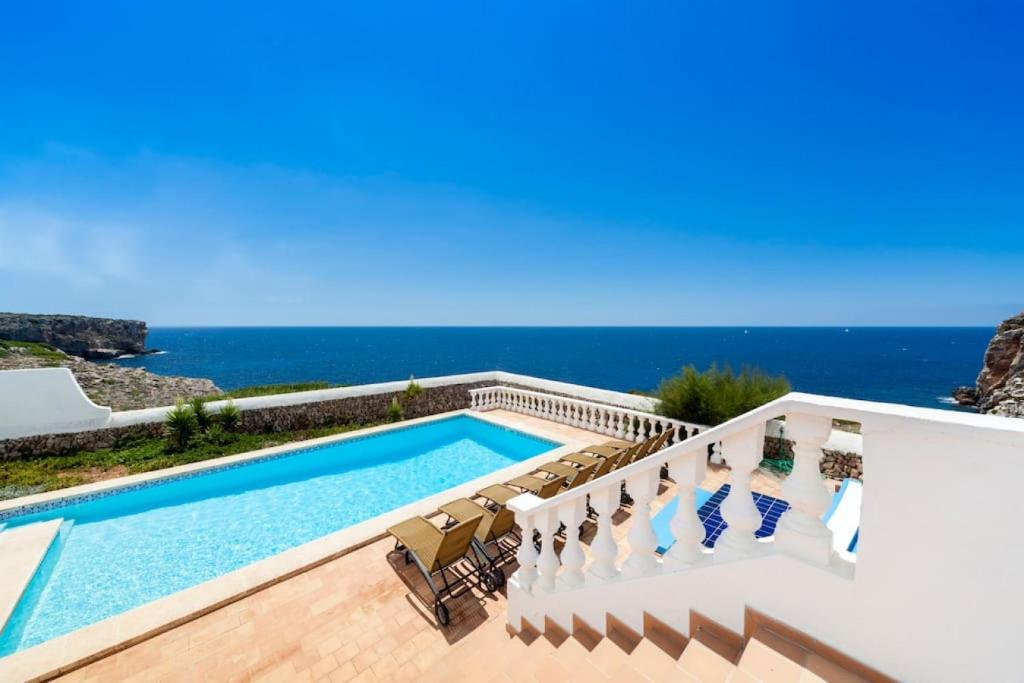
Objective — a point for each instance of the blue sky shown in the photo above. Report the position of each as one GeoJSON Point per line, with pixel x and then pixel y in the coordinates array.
{"type": "Point", "coordinates": [678, 163]}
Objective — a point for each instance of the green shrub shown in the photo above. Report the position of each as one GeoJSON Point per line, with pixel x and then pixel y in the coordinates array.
{"type": "Point", "coordinates": [414, 389]}
{"type": "Point", "coordinates": [395, 412]}
{"type": "Point", "coordinates": [229, 416]}
{"type": "Point", "coordinates": [202, 415]}
{"type": "Point", "coordinates": [218, 436]}
{"type": "Point", "coordinates": [714, 396]}
{"type": "Point", "coordinates": [180, 426]}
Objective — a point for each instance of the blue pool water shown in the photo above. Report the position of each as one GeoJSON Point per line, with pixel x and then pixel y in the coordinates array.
{"type": "Point", "coordinates": [120, 551]}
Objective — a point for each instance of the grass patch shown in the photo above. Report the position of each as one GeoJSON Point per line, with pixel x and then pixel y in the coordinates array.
{"type": "Point", "coordinates": [271, 389]}
{"type": "Point", "coordinates": [42, 351]}
{"type": "Point", "coordinates": [135, 455]}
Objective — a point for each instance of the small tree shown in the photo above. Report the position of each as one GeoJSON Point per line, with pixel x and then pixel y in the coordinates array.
{"type": "Point", "coordinates": [714, 396]}
{"type": "Point", "coordinates": [180, 426]}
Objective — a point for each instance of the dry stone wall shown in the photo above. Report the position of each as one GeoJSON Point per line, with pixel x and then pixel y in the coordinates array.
{"type": "Point", "coordinates": [374, 408]}
{"type": "Point", "coordinates": [834, 464]}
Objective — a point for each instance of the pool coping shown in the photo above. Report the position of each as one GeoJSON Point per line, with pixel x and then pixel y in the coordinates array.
{"type": "Point", "coordinates": [73, 650]}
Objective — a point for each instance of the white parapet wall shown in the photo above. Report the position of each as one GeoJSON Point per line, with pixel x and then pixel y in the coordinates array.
{"type": "Point", "coordinates": [46, 401]}
{"type": "Point", "coordinates": [49, 400]}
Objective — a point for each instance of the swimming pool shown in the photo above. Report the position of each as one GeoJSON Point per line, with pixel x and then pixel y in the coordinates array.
{"type": "Point", "coordinates": [130, 547]}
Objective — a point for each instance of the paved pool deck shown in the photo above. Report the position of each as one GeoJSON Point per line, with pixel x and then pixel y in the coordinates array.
{"type": "Point", "coordinates": [363, 616]}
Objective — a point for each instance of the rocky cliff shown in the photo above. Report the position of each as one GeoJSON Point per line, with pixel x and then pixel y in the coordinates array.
{"type": "Point", "coordinates": [1000, 384]}
{"type": "Point", "coordinates": [76, 334]}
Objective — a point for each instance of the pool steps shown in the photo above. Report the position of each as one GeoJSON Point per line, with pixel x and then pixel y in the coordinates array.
{"type": "Point", "coordinates": [22, 549]}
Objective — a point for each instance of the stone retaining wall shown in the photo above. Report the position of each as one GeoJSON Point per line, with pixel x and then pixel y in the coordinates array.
{"type": "Point", "coordinates": [835, 464]}
{"type": "Point", "coordinates": [372, 408]}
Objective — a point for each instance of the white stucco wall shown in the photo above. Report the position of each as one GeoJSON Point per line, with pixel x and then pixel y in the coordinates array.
{"type": "Point", "coordinates": [46, 401]}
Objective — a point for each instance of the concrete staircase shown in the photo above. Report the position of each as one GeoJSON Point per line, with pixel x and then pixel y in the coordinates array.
{"type": "Point", "coordinates": [714, 654]}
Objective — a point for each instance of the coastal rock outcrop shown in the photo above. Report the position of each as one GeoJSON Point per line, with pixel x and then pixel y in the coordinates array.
{"type": "Point", "coordinates": [112, 385]}
{"type": "Point", "coordinates": [1000, 385]}
{"type": "Point", "coordinates": [77, 335]}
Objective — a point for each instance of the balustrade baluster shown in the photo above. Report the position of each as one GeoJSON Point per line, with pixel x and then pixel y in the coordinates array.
{"type": "Point", "coordinates": [688, 471]}
{"type": "Point", "coordinates": [742, 452]}
{"type": "Point", "coordinates": [620, 425]}
{"type": "Point", "coordinates": [716, 454]}
{"type": "Point", "coordinates": [572, 515]}
{"type": "Point", "coordinates": [604, 548]}
{"type": "Point", "coordinates": [643, 487]}
{"type": "Point", "coordinates": [547, 563]}
{"type": "Point", "coordinates": [526, 556]}
{"type": "Point", "coordinates": [801, 531]}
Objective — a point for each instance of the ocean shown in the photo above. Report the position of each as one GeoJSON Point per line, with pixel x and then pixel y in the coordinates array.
{"type": "Point", "coordinates": [912, 365]}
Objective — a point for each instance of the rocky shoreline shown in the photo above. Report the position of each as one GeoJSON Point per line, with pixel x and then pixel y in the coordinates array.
{"type": "Point", "coordinates": [999, 389]}
{"type": "Point", "coordinates": [112, 385]}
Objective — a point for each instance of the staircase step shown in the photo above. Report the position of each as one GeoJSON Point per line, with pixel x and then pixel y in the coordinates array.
{"type": "Point", "coordinates": [651, 662]}
{"type": "Point", "coordinates": [621, 633]}
{"type": "Point", "coordinates": [528, 633]}
{"type": "Point", "coordinates": [817, 660]}
{"type": "Point", "coordinates": [22, 548]}
{"type": "Point", "coordinates": [726, 643]}
{"type": "Point", "coordinates": [704, 664]}
{"type": "Point", "coordinates": [585, 634]}
{"type": "Point", "coordinates": [768, 665]}
{"type": "Point", "coordinates": [555, 634]}
{"type": "Point", "coordinates": [671, 641]}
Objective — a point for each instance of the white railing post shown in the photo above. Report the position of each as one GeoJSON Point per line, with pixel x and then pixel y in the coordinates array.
{"type": "Point", "coordinates": [742, 452]}
{"type": "Point", "coordinates": [643, 487]}
{"type": "Point", "coordinates": [604, 548]}
{"type": "Point", "coordinates": [572, 515]}
{"type": "Point", "coordinates": [801, 531]}
{"type": "Point", "coordinates": [688, 472]}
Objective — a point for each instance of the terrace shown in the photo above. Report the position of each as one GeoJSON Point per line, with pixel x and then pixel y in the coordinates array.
{"type": "Point", "coordinates": [609, 605]}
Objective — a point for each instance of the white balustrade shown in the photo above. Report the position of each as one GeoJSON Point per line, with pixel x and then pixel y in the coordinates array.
{"type": "Point", "coordinates": [622, 423]}
{"type": "Point", "coordinates": [801, 531]}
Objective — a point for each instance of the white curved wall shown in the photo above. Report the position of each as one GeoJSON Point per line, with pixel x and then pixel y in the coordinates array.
{"type": "Point", "coordinates": [45, 401]}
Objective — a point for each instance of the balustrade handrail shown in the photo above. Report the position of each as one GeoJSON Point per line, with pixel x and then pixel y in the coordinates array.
{"type": "Point", "coordinates": [811, 404]}
{"type": "Point", "coordinates": [691, 427]}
